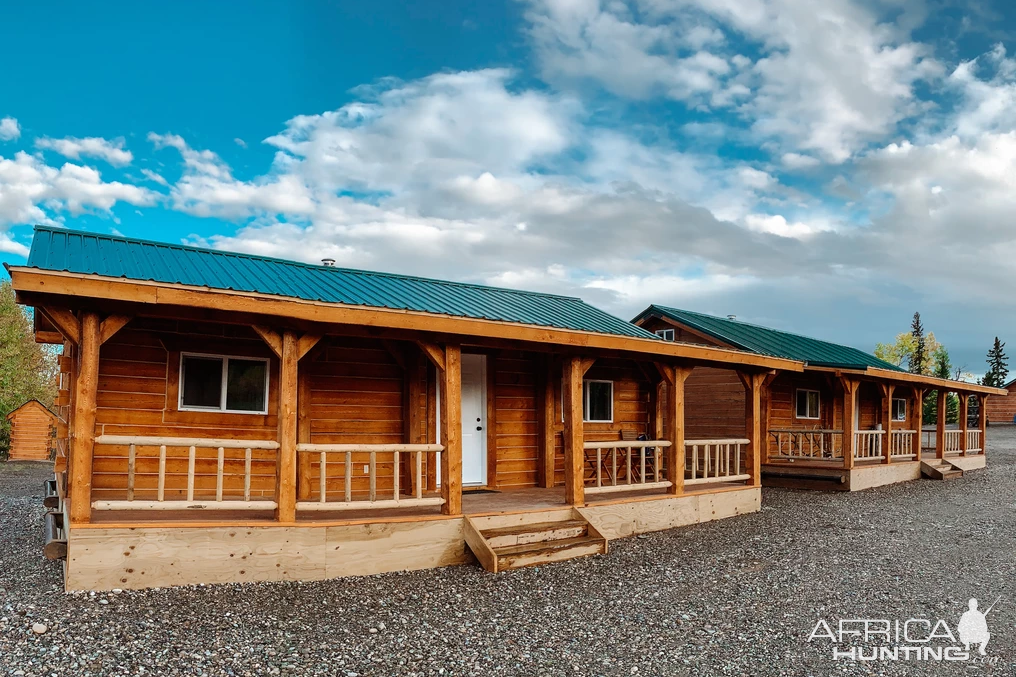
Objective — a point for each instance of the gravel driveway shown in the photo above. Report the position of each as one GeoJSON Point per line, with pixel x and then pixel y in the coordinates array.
{"type": "Point", "coordinates": [735, 597]}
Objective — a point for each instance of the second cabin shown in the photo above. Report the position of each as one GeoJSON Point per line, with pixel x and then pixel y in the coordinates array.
{"type": "Point", "coordinates": [849, 421]}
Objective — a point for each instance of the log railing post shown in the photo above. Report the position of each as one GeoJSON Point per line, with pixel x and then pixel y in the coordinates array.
{"type": "Point", "coordinates": [964, 403]}
{"type": "Point", "coordinates": [83, 423]}
{"type": "Point", "coordinates": [451, 430]}
{"type": "Point", "coordinates": [849, 403]}
{"type": "Point", "coordinates": [675, 376]}
{"type": "Point", "coordinates": [303, 420]}
{"type": "Point", "coordinates": [575, 369]}
{"type": "Point", "coordinates": [940, 424]}
{"type": "Point", "coordinates": [887, 422]}
{"type": "Point", "coordinates": [285, 471]}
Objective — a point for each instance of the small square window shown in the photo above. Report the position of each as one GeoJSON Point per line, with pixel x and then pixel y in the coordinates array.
{"type": "Point", "coordinates": [808, 404]}
{"type": "Point", "coordinates": [899, 409]}
{"type": "Point", "coordinates": [222, 383]}
{"type": "Point", "coordinates": [598, 401]}
{"type": "Point", "coordinates": [665, 334]}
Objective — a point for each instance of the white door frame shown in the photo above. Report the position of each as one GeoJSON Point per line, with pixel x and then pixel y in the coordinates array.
{"type": "Point", "coordinates": [470, 424]}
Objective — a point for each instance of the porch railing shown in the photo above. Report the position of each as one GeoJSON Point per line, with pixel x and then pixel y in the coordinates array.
{"type": "Point", "coordinates": [714, 461]}
{"type": "Point", "coordinates": [326, 455]}
{"type": "Point", "coordinates": [817, 444]}
{"type": "Point", "coordinates": [233, 469]}
{"type": "Point", "coordinates": [953, 439]}
{"type": "Point", "coordinates": [625, 465]}
{"type": "Point", "coordinates": [868, 444]}
{"type": "Point", "coordinates": [901, 443]}
{"type": "Point", "coordinates": [974, 442]}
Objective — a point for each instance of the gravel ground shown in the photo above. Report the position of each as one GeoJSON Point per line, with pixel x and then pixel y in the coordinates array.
{"type": "Point", "coordinates": [735, 597]}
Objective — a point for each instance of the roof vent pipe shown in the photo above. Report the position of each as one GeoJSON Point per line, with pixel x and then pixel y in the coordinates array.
{"type": "Point", "coordinates": [328, 263]}
{"type": "Point", "coordinates": [731, 317]}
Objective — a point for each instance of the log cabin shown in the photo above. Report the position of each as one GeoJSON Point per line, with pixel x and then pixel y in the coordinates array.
{"type": "Point", "coordinates": [240, 418]}
{"type": "Point", "coordinates": [1002, 411]}
{"type": "Point", "coordinates": [33, 429]}
{"type": "Point", "coordinates": [849, 421]}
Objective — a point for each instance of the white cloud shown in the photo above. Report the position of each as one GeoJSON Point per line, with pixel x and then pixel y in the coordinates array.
{"type": "Point", "coordinates": [240, 142]}
{"type": "Point", "coordinates": [10, 130]}
{"type": "Point", "coordinates": [34, 192]}
{"type": "Point", "coordinates": [155, 177]}
{"type": "Point", "coordinates": [112, 152]}
{"type": "Point", "coordinates": [799, 161]}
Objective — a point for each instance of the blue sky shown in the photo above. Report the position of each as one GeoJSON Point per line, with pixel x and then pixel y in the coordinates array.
{"type": "Point", "coordinates": [824, 168]}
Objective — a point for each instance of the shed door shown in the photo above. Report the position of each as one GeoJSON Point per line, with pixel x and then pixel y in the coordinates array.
{"type": "Point", "coordinates": [474, 419]}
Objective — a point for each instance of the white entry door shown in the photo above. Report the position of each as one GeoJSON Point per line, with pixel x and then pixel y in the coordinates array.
{"type": "Point", "coordinates": [474, 419]}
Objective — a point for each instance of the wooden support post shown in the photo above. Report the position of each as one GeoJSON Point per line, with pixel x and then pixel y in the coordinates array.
{"type": "Point", "coordinates": [450, 378]}
{"type": "Point", "coordinates": [657, 398]}
{"type": "Point", "coordinates": [964, 404]}
{"type": "Point", "coordinates": [547, 417]}
{"type": "Point", "coordinates": [982, 421]}
{"type": "Point", "coordinates": [574, 430]}
{"type": "Point", "coordinates": [917, 418]}
{"type": "Point", "coordinates": [675, 376]}
{"type": "Point", "coordinates": [940, 424]}
{"type": "Point", "coordinates": [887, 422]}
{"type": "Point", "coordinates": [285, 472]}
{"type": "Point", "coordinates": [83, 423]}
{"type": "Point", "coordinates": [303, 435]}
{"type": "Point", "coordinates": [850, 387]}
{"type": "Point", "coordinates": [416, 433]}
{"type": "Point", "coordinates": [753, 387]}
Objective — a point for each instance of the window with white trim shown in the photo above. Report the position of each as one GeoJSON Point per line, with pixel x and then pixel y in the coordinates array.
{"type": "Point", "coordinates": [665, 334]}
{"type": "Point", "coordinates": [899, 409]}
{"type": "Point", "coordinates": [807, 404]}
{"type": "Point", "coordinates": [598, 401]}
{"type": "Point", "coordinates": [223, 383]}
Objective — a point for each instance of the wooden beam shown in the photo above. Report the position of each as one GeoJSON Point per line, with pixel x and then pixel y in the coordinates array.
{"type": "Point", "coordinates": [850, 387]}
{"type": "Point", "coordinates": [396, 351]}
{"type": "Point", "coordinates": [434, 353]}
{"type": "Point", "coordinates": [306, 344]}
{"type": "Point", "coordinates": [299, 310]}
{"type": "Point", "coordinates": [547, 418]}
{"type": "Point", "coordinates": [982, 421]}
{"type": "Point", "coordinates": [674, 416]}
{"type": "Point", "coordinates": [940, 424]}
{"type": "Point", "coordinates": [964, 411]}
{"type": "Point", "coordinates": [574, 432]}
{"type": "Point", "coordinates": [83, 421]}
{"type": "Point", "coordinates": [270, 337]}
{"type": "Point", "coordinates": [451, 429]}
{"type": "Point", "coordinates": [303, 434]}
{"type": "Point", "coordinates": [285, 494]}
{"type": "Point", "coordinates": [917, 422]}
{"type": "Point", "coordinates": [64, 321]}
{"type": "Point", "coordinates": [111, 325]}
{"type": "Point", "coordinates": [754, 384]}
{"type": "Point", "coordinates": [887, 421]}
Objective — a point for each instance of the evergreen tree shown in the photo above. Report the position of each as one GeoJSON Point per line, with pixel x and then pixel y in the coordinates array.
{"type": "Point", "coordinates": [942, 368]}
{"type": "Point", "coordinates": [998, 365]}
{"type": "Point", "coordinates": [919, 356]}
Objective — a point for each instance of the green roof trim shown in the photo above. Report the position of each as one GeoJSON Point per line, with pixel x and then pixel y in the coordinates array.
{"type": "Point", "coordinates": [82, 252]}
{"type": "Point", "coordinates": [772, 342]}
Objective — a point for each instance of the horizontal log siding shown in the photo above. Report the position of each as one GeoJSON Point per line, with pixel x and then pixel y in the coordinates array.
{"type": "Point", "coordinates": [357, 397]}
{"type": "Point", "coordinates": [137, 395]}
{"type": "Point", "coordinates": [516, 419]}
{"type": "Point", "coordinates": [714, 404]}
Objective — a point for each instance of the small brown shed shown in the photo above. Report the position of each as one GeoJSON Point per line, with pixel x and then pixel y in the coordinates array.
{"type": "Point", "coordinates": [32, 432]}
{"type": "Point", "coordinates": [1003, 409]}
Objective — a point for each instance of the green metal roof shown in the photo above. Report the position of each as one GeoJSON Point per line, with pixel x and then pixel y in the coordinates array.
{"type": "Point", "coordinates": [772, 342]}
{"type": "Point", "coordinates": [59, 249]}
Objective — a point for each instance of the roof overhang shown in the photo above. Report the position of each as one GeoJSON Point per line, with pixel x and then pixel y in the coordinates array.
{"type": "Point", "coordinates": [95, 287]}
{"type": "Point", "coordinates": [917, 380]}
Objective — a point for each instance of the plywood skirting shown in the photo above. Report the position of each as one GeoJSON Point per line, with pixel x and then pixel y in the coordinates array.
{"type": "Point", "coordinates": [967, 463]}
{"type": "Point", "coordinates": [103, 559]}
{"type": "Point", "coordinates": [869, 476]}
{"type": "Point", "coordinates": [619, 520]}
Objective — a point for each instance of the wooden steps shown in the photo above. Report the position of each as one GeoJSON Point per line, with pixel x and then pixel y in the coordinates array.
{"type": "Point", "coordinates": [940, 469]}
{"type": "Point", "coordinates": [503, 542]}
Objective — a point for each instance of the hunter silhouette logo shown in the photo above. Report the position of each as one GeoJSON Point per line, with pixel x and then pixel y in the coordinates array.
{"type": "Point", "coordinates": [913, 639]}
{"type": "Point", "coordinates": [973, 626]}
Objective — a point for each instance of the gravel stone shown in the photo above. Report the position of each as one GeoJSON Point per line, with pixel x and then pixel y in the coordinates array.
{"type": "Point", "coordinates": [736, 597]}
